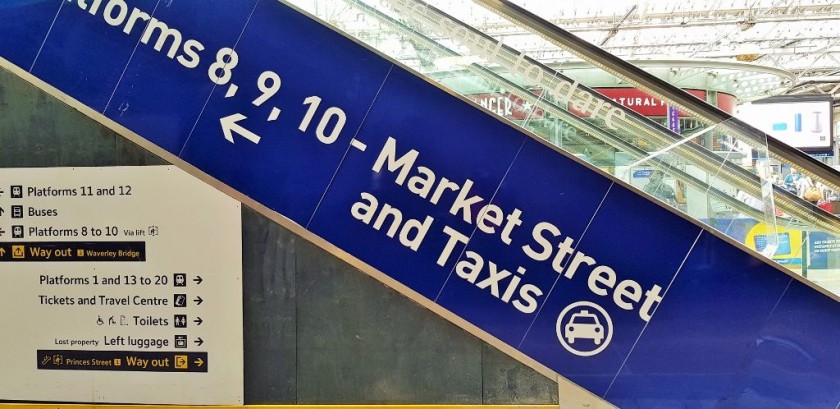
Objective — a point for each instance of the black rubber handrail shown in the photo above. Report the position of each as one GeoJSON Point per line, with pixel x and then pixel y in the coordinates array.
{"type": "Point", "coordinates": [577, 122]}
{"type": "Point", "coordinates": [745, 180]}
{"type": "Point", "coordinates": [642, 79]}
{"type": "Point", "coordinates": [735, 175]}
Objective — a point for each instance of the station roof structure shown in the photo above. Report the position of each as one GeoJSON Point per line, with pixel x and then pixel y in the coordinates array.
{"type": "Point", "coordinates": [749, 48]}
{"type": "Point", "coordinates": [798, 37]}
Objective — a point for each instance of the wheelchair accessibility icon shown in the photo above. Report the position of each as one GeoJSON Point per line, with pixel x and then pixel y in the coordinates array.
{"type": "Point", "coordinates": [584, 328]}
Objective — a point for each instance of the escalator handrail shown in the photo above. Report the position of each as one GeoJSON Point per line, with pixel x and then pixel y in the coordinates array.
{"type": "Point", "coordinates": [636, 117]}
{"type": "Point", "coordinates": [753, 186]}
{"type": "Point", "coordinates": [662, 88]}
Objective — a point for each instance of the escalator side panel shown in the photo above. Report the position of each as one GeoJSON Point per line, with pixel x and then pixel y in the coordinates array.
{"type": "Point", "coordinates": [627, 249]}
{"type": "Point", "coordinates": [784, 365]}
{"type": "Point", "coordinates": [627, 237]}
{"type": "Point", "coordinates": [411, 116]}
{"type": "Point", "coordinates": [561, 193]}
{"type": "Point", "coordinates": [25, 24]}
{"type": "Point", "coordinates": [710, 320]}
{"type": "Point", "coordinates": [165, 102]}
{"type": "Point", "coordinates": [289, 170]}
{"type": "Point", "coordinates": [85, 56]}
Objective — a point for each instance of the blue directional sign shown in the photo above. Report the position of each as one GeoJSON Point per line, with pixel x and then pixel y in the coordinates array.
{"type": "Point", "coordinates": [541, 252]}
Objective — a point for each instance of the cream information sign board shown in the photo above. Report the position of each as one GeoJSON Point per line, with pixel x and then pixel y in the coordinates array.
{"type": "Point", "coordinates": [119, 285]}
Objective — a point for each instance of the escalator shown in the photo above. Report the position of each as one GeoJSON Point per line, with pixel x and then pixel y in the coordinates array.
{"type": "Point", "coordinates": [721, 183]}
{"type": "Point", "coordinates": [638, 137]}
{"type": "Point", "coordinates": [555, 258]}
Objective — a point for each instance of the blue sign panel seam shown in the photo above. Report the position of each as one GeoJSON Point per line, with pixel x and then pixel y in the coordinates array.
{"type": "Point", "coordinates": [557, 280]}
{"type": "Point", "coordinates": [92, 82]}
{"type": "Point", "coordinates": [745, 361]}
{"type": "Point", "coordinates": [479, 217]}
{"type": "Point", "coordinates": [47, 36]}
{"type": "Point", "coordinates": [350, 144]}
{"type": "Point", "coordinates": [786, 366]}
{"type": "Point", "coordinates": [653, 314]}
{"type": "Point", "coordinates": [128, 63]}
{"type": "Point", "coordinates": [213, 90]}
{"type": "Point", "coordinates": [764, 326]}
{"type": "Point", "coordinates": [603, 306]}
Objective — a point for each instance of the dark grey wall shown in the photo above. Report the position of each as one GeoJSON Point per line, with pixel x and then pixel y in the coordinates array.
{"type": "Point", "coordinates": [316, 329]}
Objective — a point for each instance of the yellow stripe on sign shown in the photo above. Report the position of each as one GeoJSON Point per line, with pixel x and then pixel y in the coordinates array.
{"type": "Point", "coordinates": [78, 406]}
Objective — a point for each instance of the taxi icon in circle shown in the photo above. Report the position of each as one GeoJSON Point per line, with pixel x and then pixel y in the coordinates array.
{"type": "Point", "coordinates": [584, 328]}
{"type": "Point", "coordinates": [584, 324]}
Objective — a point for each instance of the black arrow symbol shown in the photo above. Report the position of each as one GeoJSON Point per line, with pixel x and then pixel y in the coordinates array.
{"type": "Point", "coordinates": [2, 211]}
{"type": "Point", "coordinates": [2, 232]}
{"type": "Point", "coordinates": [197, 279]}
{"type": "Point", "coordinates": [199, 341]}
{"type": "Point", "coordinates": [198, 300]}
{"type": "Point", "coordinates": [198, 321]}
